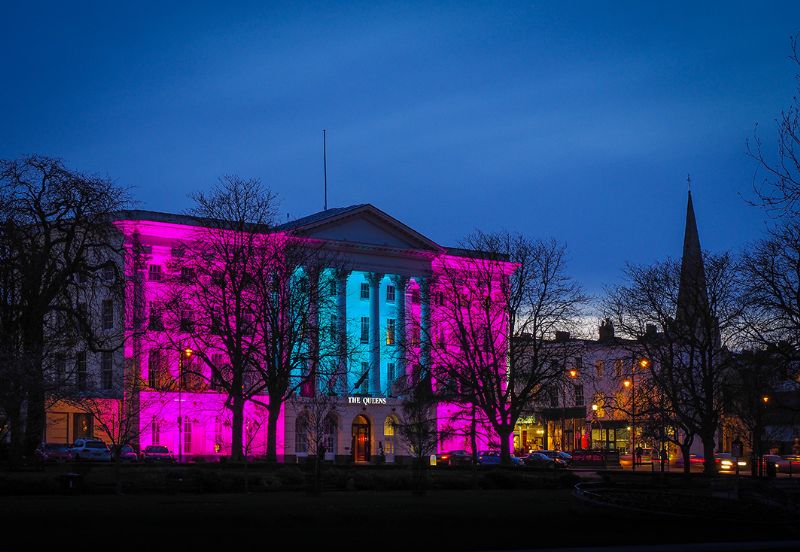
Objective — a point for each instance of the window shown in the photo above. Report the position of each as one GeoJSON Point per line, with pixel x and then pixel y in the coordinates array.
{"type": "Point", "coordinates": [415, 297]}
{"type": "Point", "coordinates": [365, 290]}
{"type": "Point", "coordinates": [415, 335]}
{"type": "Point", "coordinates": [390, 293]}
{"type": "Point", "coordinates": [187, 274]}
{"type": "Point", "coordinates": [332, 327]}
{"type": "Point", "coordinates": [391, 374]}
{"type": "Point", "coordinates": [108, 272]}
{"type": "Point", "coordinates": [329, 436]}
{"type": "Point", "coordinates": [390, 331]}
{"type": "Point", "coordinates": [599, 367]}
{"type": "Point", "coordinates": [155, 431]}
{"type": "Point", "coordinates": [248, 324]}
{"type": "Point", "coordinates": [186, 369]}
{"type": "Point", "coordinates": [579, 395]}
{"type": "Point", "coordinates": [362, 381]}
{"type": "Point", "coordinates": [618, 367]}
{"type": "Point", "coordinates": [187, 436]}
{"type": "Point", "coordinates": [218, 435]}
{"type": "Point", "coordinates": [187, 320]}
{"type": "Point", "coordinates": [553, 396]}
{"type": "Point", "coordinates": [578, 363]}
{"type": "Point", "coordinates": [154, 273]}
{"type": "Point", "coordinates": [154, 369]}
{"type": "Point", "coordinates": [106, 369]}
{"type": "Point", "coordinates": [80, 370]}
{"type": "Point", "coordinates": [439, 298]}
{"type": "Point", "coordinates": [177, 252]}
{"type": "Point", "coordinates": [108, 314]}
{"type": "Point", "coordinates": [220, 367]}
{"type": "Point", "coordinates": [155, 322]}
{"type": "Point", "coordinates": [388, 434]}
{"type": "Point", "coordinates": [59, 367]}
{"type": "Point", "coordinates": [301, 435]}
{"type": "Point", "coordinates": [365, 329]}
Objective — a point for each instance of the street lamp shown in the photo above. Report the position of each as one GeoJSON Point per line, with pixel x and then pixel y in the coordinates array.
{"type": "Point", "coordinates": [183, 353]}
{"type": "Point", "coordinates": [643, 364]}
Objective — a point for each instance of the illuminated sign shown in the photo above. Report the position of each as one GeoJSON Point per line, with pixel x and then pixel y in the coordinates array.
{"type": "Point", "coordinates": [366, 400]}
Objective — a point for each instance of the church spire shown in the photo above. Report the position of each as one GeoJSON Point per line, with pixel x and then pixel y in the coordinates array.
{"type": "Point", "coordinates": [692, 293]}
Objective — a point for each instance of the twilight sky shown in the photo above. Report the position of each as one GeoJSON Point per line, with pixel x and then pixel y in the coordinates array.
{"type": "Point", "coordinates": [578, 121]}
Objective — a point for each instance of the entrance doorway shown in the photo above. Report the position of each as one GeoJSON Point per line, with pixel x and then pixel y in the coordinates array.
{"type": "Point", "coordinates": [361, 441]}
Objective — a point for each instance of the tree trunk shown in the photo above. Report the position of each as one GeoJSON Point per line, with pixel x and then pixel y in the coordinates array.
{"type": "Point", "coordinates": [17, 428]}
{"type": "Point", "coordinates": [237, 409]}
{"type": "Point", "coordinates": [709, 462]}
{"type": "Point", "coordinates": [273, 413]}
{"type": "Point", "coordinates": [504, 432]}
{"type": "Point", "coordinates": [687, 461]}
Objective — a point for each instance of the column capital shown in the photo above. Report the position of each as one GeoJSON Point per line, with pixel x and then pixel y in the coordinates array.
{"type": "Point", "coordinates": [424, 283]}
{"type": "Point", "coordinates": [374, 278]}
{"type": "Point", "coordinates": [341, 273]}
{"type": "Point", "coordinates": [400, 281]}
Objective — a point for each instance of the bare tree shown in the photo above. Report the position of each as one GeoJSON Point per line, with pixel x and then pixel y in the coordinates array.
{"type": "Point", "coordinates": [211, 306]}
{"type": "Point", "coordinates": [297, 355]}
{"type": "Point", "coordinates": [319, 416]}
{"type": "Point", "coordinates": [419, 429]}
{"type": "Point", "coordinates": [118, 420]}
{"type": "Point", "coordinates": [779, 188]}
{"type": "Point", "coordinates": [772, 282]}
{"type": "Point", "coordinates": [689, 358]}
{"type": "Point", "coordinates": [497, 312]}
{"type": "Point", "coordinates": [55, 242]}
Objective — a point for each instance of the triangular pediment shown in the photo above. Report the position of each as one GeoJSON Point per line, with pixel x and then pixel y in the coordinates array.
{"type": "Point", "coordinates": [365, 225]}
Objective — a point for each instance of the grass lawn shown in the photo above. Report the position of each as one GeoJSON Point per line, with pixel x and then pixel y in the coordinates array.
{"type": "Point", "coordinates": [367, 520]}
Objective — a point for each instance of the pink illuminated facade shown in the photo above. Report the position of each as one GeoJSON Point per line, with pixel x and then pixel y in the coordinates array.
{"type": "Point", "coordinates": [384, 292]}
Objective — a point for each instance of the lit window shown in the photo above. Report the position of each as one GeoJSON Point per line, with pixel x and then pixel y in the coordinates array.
{"type": "Point", "coordinates": [390, 331]}
{"type": "Point", "coordinates": [599, 367]}
{"type": "Point", "coordinates": [365, 291]}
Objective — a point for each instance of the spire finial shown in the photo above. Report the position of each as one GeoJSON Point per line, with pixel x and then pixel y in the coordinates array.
{"type": "Point", "coordinates": [689, 182]}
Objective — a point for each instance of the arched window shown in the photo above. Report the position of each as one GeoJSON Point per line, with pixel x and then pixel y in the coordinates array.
{"type": "Point", "coordinates": [389, 429]}
{"type": "Point", "coordinates": [301, 435]}
{"type": "Point", "coordinates": [329, 438]}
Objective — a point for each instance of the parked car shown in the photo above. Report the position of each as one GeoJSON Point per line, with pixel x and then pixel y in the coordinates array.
{"type": "Point", "coordinates": [454, 458]}
{"type": "Point", "coordinates": [90, 449]}
{"type": "Point", "coordinates": [789, 462]}
{"type": "Point", "coordinates": [492, 458]}
{"type": "Point", "coordinates": [126, 454]}
{"type": "Point", "coordinates": [541, 460]}
{"type": "Point", "coordinates": [727, 463]}
{"type": "Point", "coordinates": [157, 453]}
{"type": "Point", "coordinates": [53, 452]}
{"type": "Point", "coordinates": [563, 456]}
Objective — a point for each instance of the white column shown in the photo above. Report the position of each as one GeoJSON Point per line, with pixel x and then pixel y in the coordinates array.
{"type": "Point", "coordinates": [341, 329]}
{"type": "Point", "coordinates": [400, 284]}
{"type": "Point", "coordinates": [374, 279]}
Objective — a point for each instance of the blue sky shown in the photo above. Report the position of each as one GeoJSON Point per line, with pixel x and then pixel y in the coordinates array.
{"type": "Point", "coordinates": [578, 121]}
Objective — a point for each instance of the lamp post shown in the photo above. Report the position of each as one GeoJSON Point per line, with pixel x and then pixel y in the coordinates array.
{"type": "Point", "coordinates": [183, 353]}
{"type": "Point", "coordinates": [630, 383]}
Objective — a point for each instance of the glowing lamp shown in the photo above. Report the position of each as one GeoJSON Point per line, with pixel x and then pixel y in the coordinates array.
{"type": "Point", "coordinates": [765, 398]}
{"type": "Point", "coordinates": [644, 363]}
{"type": "Point", "coordinates": [594, 407]}
{"type": "Point", "coordinates": [573, 373]}
{"type": "Point", "coordinates": [187, 352]}
{"type": "Point", "coordinates": [626, 382]}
